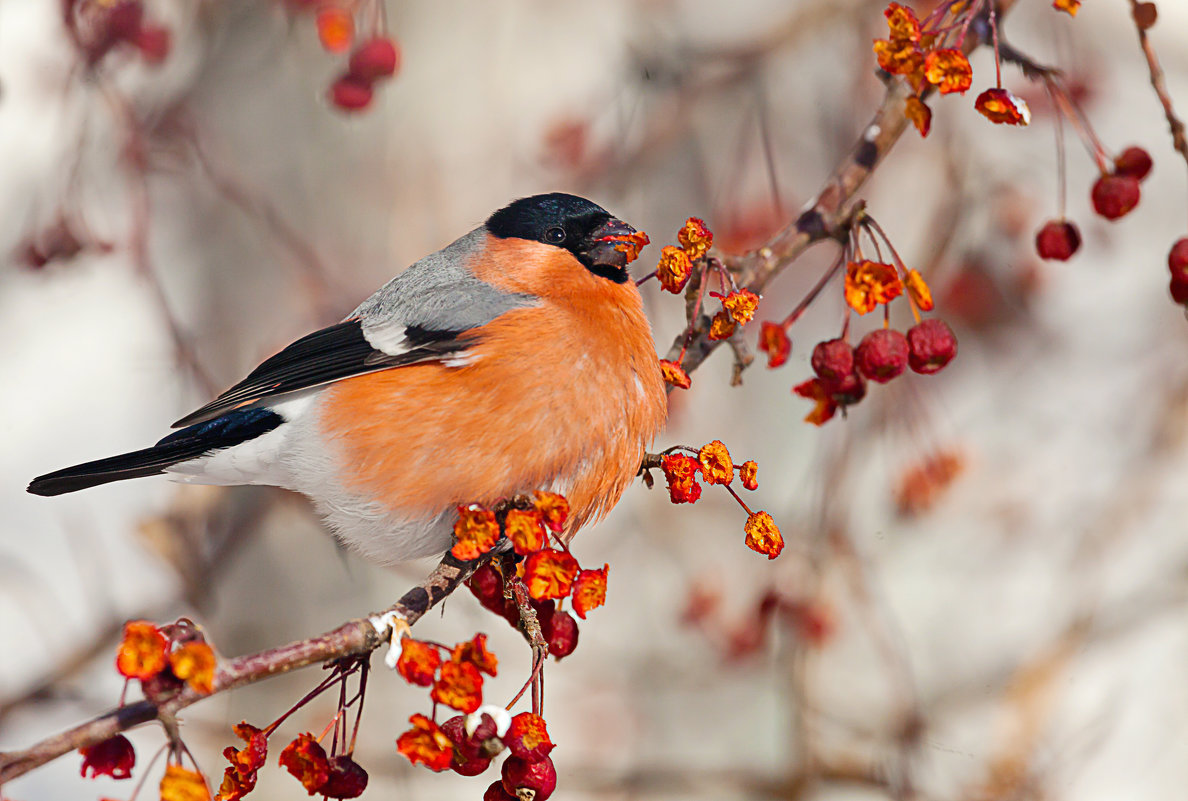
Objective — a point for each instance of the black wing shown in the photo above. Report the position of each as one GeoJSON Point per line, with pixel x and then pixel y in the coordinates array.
{"type": "Point", "coordinates": [330, 354]}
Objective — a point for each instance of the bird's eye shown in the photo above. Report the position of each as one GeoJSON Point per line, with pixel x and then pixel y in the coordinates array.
{"type": "Point", "coordinates": [555, 235]}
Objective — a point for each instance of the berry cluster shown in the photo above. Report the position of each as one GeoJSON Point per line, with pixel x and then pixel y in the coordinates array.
{"type": "Point", "coordinates": [1114, 195]}
{"type": "Point", "coordinates": [882, 355]}
{"type": "Point", "coordinates": [928, 55]}
{"type": "Point", "coordinates": [692, 260]}
{"type": "Point", "coordinates": [810, 620]}
{"type": "Point", "coordinates": [715, 466]}
{"type": "Point", "coordinates": [97, 27]}
{"type": "Point", "coordinates": [375, 57]}
{"type": "Point", "coordinates": [165, 660]}
{"type": "Point", "coordinates": [467, 744]}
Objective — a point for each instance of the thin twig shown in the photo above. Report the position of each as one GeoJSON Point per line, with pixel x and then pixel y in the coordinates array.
{"type": "Point", "coordinates": [1179, 139]}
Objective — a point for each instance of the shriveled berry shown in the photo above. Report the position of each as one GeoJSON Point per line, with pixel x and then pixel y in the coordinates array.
{"type": "Point", "coordinates": [496, 793]}
{"type": "Point", "coordinates": [540, 776]}
{"type": "Point", "coordinates": [1115, 196]}
{"type": "Point", "coordinates": [931, 345]}
{"type": "Point", "coordinates": [1177, 260]}
{"type": "Point", "coordinates": [375, 58]}
{"type": "Point", "coordinates": [833, 359]}
{"type": "Point", "coordinates": [1133, 161]}
{"type": "Point", "coordinates": [1058, 240]}
{"type": "Point", "coordinates": [350, 93]}
{"type": "Point", "coordinates": [847, 390]}
{"type": "Point", "coordinates": [347, 779]}
{"type": "Point", "coordinates": [882, 355]}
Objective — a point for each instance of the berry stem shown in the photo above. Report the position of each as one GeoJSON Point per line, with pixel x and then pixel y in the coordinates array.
{"type": "Point", "coordinates": [1060, 158]}
{"type": "Point", "coordinates": [994, 38]}
{"type": "Point", "coordinates": [741, 502]}
{"type": "Point", "coordinates": [1065, 104]}
{"type": "Point", "coordinates": [833, 270]}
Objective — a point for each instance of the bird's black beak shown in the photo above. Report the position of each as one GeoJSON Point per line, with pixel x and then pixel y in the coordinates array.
{"type": "Point", "coordinates": [610, 247]}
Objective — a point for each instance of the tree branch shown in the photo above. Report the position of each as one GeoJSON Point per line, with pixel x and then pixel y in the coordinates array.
{"type": "Point", "coordinates": [828, 214]}
{"type": "Point", "coordinates": [357, 637]}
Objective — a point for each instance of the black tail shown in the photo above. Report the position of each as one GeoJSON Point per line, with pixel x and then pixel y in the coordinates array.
{"type": "Point", "coordinates": [189, 443]}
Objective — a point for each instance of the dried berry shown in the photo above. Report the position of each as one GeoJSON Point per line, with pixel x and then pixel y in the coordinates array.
{"type": "Point", "coordinates": [931, 345]}
{"type": "Point", "coordinates": [833, 359]}
{"type": "Point", "coordinates": [847, 390]}
{"type": "Point", "coordinates": [882, 355]}
{"type": "Point", "coordinates": [1114, 196]}
{"type": "Point", "coordinates": [347, 778]}
{"type": "Point", "coordinates": [1057, 240]}
{"type": "Point", "coordinates": [496, 793]}
{"type": "Point", "coordinates": [539, 776]}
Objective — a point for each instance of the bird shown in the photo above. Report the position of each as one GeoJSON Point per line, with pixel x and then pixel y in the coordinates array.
{"type": "Point", "coordinates": [516, 359]}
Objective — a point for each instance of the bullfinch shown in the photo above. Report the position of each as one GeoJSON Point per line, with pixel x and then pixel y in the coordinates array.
{"type": "Point", "coordinates": [517, 358]}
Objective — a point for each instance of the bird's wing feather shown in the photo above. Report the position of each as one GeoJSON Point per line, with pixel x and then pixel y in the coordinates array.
{"type": "Point", "coordinates": [331, 354]}
{"type": "Point", "coordinates": [430, 312]}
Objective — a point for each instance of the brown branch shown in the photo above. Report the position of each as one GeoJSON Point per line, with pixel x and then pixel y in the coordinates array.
{"type": "Point", "coordinates": [354, 638]}
{"type": "Point", "coordinates": [828, 214]}
{"type": "Point", "coordinates": [1179, 140]}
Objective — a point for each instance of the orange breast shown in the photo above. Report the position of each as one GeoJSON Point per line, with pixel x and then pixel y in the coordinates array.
{"type": "Point", "coordinates": [567, 393]}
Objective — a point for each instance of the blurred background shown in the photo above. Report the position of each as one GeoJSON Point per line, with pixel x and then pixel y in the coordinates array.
{"type": "Point", "coordinates": [985, 588]}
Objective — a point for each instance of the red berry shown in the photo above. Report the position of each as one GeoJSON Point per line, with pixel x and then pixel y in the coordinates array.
{"type": "Point", "coordinates": [833, 359]}
{"type": "Point", "coordinates": [153, 42]}
{"type": "Point", "coordinates": [1058, 240]}
{"type": "Point", "coordinates": [1133, 161]}
{"type": "Point", "coordinates": [847, 390]}
{"type": "Point", "coordinates": [466, 747]}
{"type": "Point", "coordinates": [1177, 260]}
{"type": "Point", "coordinates": [496, 793]}
{"type": "Point", "coordinates": [470, 767]}
{"type": "Point", "coordinates": [562, 634]}
{"type": "Point", "coordinates": [123, 20]}
{"type": "Point", "coordinates": [1179, 291]}
{"type": "Point", "coordinates": [1115, 196]}
{"type": "Point", "coordinates": [931, 345]}
{"type": "Point", "coordinates": [882, 355]}
{"type": "Point", "coordinates": [540, 776]}
{"type": "Point", "coordinates": [350, 93]}
{"type": "Point", "coordinates": [347, 779]}
{"type": "Point", "coordinates": [375, 58]}
{"type": "Point", "coordinates": [1145, 15]}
